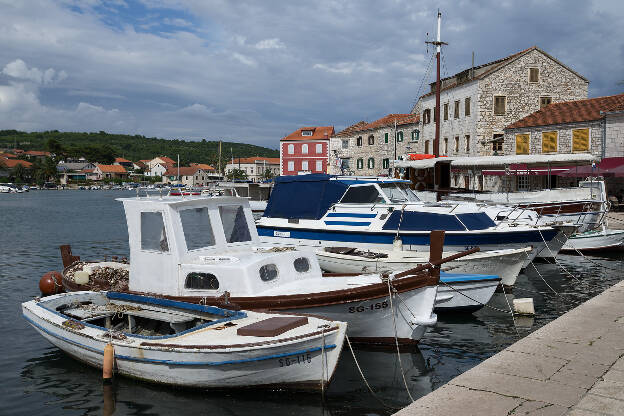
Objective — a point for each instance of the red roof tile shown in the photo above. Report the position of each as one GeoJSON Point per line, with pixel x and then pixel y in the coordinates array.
{"type": "Point", "coordinates": [351, 129]}
{"type": "Point", "coordinates": [390, 119]}
{"type": "Point", "coordinates": [112, 168]}
{"type": "Point", "coordinates": [122, 160]}
{"type": "Point", "coordinates": [202, 166]}
{"type": "Point", "coordinates": [571, 112]}
{"type": "Point", "coordinates": [8, 155]}
{"type": "Point", "coordinates": [167, 160]}
{"type": "Point", "coordinates": [37, 153]}
{"type": "Point", "coordinates": [318, 133]}
{"type": "Point", "coordinates": [184, 171]}
{"type": "Point", "coordinates": [257, 159]}
{"type": "Point", "coordinates": [11, 163]}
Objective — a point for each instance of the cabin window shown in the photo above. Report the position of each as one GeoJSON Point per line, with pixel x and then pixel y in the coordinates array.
{"type": "Point", "coordinates": [234, 223]}
{"type": "Point", "coordinates": [197, 228]}
{"type": "Point", "coordinates": [153, 233]}
{"type": "Point", "coordinates": [580, 140]}
{"type": "Point", "coordinates": [268, 272]}
{"type": "Point", "coordinates": [203, 281]}
{"type": "Point", "coordinates": [367, 194]}
{"type": "Point", "coordinates": [302, 264]}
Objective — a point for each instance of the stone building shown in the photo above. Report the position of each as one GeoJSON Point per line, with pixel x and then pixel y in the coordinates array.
{"type": "Point", "coordinates": [368, 148]}
{"type": "Point", "coordinates": [305, 150]}
{"type": "Point", "coordinates": [255, 167]}
{"type": "Point", "coordinates": [594, 125]}
{"type": "Point", "coordinates": [188, 176]}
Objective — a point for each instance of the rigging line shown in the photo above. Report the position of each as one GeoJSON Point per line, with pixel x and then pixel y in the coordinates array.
{"type": "Point", "coordinates": [540, 275]}
{"type": "Point", "coordinates": [513, 318]}
{"type": "Point", "coordinates": [396, 341]}
{"type": "Point", "coordinates": [474, 300]}
{"type": "Point", "coordinates": [422, 81]}
{"type": "Point", "coordinates": [595, 263]}
{"type": "Point", "coordinates": [555, 258]}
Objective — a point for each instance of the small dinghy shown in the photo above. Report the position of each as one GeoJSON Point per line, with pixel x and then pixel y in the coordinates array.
{"type": "Point", "coordinates": [184, 344]}
{"type": "Point", "coordinates": [603, 239]}
{"type": "Point", "coordinates": [459, 292]}
{"type": "Point", "coordinates": [503, 263]}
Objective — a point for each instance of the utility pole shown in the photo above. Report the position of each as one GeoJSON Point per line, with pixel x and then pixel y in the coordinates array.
{"type": "Point", "coordinates": [220, 141]}
{"type": "Point", "coordinates": [179, 168]}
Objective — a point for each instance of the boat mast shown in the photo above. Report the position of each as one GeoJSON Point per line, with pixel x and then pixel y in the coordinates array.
{"type": "Point", "coordinates": [438, 43]}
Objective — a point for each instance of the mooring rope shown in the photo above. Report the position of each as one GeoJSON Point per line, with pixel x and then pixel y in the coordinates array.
{"type": "Point", "coordinates": [555, 257]}
{"type": "Point", "coordinates": [474, 300]}
{"type": "Point", "coordinates": [539, 274]}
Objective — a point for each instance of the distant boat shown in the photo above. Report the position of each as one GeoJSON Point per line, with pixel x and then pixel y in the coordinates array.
{"type": "Point", "coordinates": [595, 241]}
{"type": "Point", "coordinates": [184, 344]}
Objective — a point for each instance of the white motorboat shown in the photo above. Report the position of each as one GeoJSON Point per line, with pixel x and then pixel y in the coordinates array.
{"type": "Point", "coordinates": [185, 344]}
{"type": "Point", "coordinates": [198, 249]}
{"type": "Point", "coordinates": [603, 239]}
{"type": "Point", "coordinates": [464, 292]}
{"type": "Point", "coordinates": [503, 263]}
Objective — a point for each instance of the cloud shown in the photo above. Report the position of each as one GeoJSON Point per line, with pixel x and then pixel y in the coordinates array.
{"type": "Point", "coordinates": [274, 43]}
{"type": "Point", "coordinates": [19, 69]}
{"type": "Point", "coordinates": [244, 59]}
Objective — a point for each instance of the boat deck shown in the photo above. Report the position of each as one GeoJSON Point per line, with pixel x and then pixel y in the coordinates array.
{"type": "Point", "coordinates": [574, 366]}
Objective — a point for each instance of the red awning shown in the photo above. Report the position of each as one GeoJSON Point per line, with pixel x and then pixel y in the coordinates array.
{"type": "Point", "coordinates": [524, 170]}
{"type": "Point", "coordinates": [609, 166]}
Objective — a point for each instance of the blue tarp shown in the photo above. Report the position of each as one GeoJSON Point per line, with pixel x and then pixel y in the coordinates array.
{"type": "Point", "coordinates": [426, 221]}
{"type": "Point", "coordinates": [303, 196]}
{"type": "Point", "coordinates": [476, 220]}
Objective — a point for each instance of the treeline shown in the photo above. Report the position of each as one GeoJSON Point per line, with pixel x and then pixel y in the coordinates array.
{"type": "Point", "coordinates": [103, 147]}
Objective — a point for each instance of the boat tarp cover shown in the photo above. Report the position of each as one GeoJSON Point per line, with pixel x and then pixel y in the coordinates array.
{"type": "Point", "coordinates": [427, 221]}
{"type": "Point", "coordinates": [306, 197]}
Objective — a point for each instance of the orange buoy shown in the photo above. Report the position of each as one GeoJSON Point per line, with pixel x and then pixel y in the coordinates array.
{"type": "Point", "coordinates": [107, 365]}
{"type": "Point", "coordinates": [51, 283]}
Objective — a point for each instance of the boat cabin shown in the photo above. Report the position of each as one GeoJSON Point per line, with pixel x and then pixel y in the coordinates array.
{"type": "Point", "coordinates": [198, 246]}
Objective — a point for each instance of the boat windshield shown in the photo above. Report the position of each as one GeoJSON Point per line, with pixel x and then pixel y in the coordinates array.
{"type": "Point", "coordinates": [398, 192]}
{"type": "Point", "coordinates": [234, 223]}
{"type": "Point", "coordinates": [197, 228]}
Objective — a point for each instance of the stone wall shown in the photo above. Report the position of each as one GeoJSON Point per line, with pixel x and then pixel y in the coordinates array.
{"type": "Point", "coordinates": [615, 135]}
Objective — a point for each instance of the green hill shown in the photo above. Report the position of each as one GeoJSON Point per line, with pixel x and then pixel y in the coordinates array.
{"type": "Point", "coordinates": [101, 146]}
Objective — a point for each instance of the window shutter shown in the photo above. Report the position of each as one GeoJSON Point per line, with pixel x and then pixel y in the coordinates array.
{"type": "Point", "coordinates": [522, 144]}
{"type": "Point", "coordinates": [549, 141]}
{"type": "Point", "coordinates": [580, 140]}
{"type": "Point", "coordinates": [399, 136]}
{"type": "Point", "coordinates": [385, 137]}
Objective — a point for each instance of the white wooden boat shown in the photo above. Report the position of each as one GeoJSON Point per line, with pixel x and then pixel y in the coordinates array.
{"type": "Point", "coordinates": [604, 239]}
{"type": "Point", "coordinates": [197, 249]}
{"type": "Point", "coordinates": [464, 292]}
{"type": "Point", "coordinates": [504, 263]}
{"type": "Point", "coordinates": [185, 344]}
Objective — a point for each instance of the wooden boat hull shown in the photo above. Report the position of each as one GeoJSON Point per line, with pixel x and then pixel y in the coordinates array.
{"type": "Point", "coordinates": [464, 293]}
{"type": "Point", "coordinates": [593, 241]}
{"type": "Point", "coordinates": [307, 360]}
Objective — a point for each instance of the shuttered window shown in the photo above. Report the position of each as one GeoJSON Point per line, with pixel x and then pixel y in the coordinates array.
{"type": "Point", "coordinates": [522, 144]}
{"type": "Point", "coordinates": [371, 163]}
{"type": "Point", "coordinates": [533, 74]}
{"type": "Point", "coordinates": [445, 111]}
{"type": "Point", "coordinates": [386, 163]}
{"type": "Point", "coordinates": [360, 163]}
{"type": "Point", "coordinates": [385, 137]}
{"type": "Point", "coordinates": [399, 136]}
{"type": "Point", "coordinates": [456, 110]}
{"type": "Point", "coordinates": [499, 105]}
{"type": "Point", "coordinates": [467, 107]}
{"type": "Point", "coordinates": [415, 135]}
{"type": "Point", "coordinates": [549, 141]}
{"type": "Point", "coordinates": [580, 140]}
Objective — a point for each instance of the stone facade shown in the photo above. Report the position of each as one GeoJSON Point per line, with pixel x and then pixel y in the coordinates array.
{"type": "Point", "coordinates": [614, 135]}
{"type": "Point", "coordinates": [370, 149]}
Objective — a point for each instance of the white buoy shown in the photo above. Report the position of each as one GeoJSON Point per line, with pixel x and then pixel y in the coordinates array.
{"type": "Point", "coordinates": [397, 244]}
{"type": "Point", "coordinates": [524, 306]}
{"type": "Point", "coordinates": [81, 277]}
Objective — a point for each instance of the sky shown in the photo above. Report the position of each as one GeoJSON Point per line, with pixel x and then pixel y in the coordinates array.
{"type": "Point", "coordinates": [255, 71]}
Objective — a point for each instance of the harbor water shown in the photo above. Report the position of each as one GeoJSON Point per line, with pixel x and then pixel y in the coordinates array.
{"type": "Point", "coordinates": [39, 379]}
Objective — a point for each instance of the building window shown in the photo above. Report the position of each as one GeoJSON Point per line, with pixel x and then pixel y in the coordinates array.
{"type": "Point", "coordinates": [522, 144]}
{"type": "Point", "coordinates": [371, 140]}
{"type": "Point", "coordinates": [544, 101]}
{"type": "Point", "coordinates": [291, 166]}
{"type": "Point", "coordinates": [304, 165]}
{"type": "Point", "coordinates": [291, 149]}
{"type": "Point", "coordinates": [456, 112]}
{"type": "Point", "coordinates": [319, 148]}
{"type": "Point", "coordinates": [456, 144]}
{"type": "Point", "coordinates": [385, 137]}
{"type": "Point", "coordinates": [358, 141]}
{"type": "Point", "coordinates": [445, 111]}
{"type": "Point", "coordinates": [344, 164]}
{"type": "Point", "coordinates": [467, 106]}
{"type": "Point", "coordinates": [371, 163]}
{"type": "Point", "coordinates": [426, 147]}
{"type": "Point", "coordinates": [499, 105]}
{"type": "Point", "coordinates": [497, 143]}
{"type": "Point", "coordinates": [549, 142]}
{"type": "Point", "coordinates": [385, 163]}
{"type": "Point", "coordinates": [467, 139]}
{"type": "Point", "coordinates": [415, 135]}
{"type": "Point", "coordinates": [522, 182]}
{"type": "Point", "coordinates": [427, 116]}
{"type": "Point", "coordinates": [304, 149]}
{"type": "Point", "coordinates": [446, 145]}
{"type": "Point", "coordinates": [399, 136]}
{"type": "Point", "coordinates": [319, 165]}
{"type": "Point", "coordinates": [533, 74]}
{"type": "Point", "coordinates": [360, 163]}
{"type": "Point", "coordinates": [580, 140]}
{"type": "Point", "coordinates": [345, 144]}
{"type": "Point", "coordinates": [306, 132]}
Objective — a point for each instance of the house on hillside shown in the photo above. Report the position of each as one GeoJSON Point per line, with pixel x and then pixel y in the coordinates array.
{"type": "Point", "coordinates": [105, 172]}
{"type": "Point", "coordinates": [255, 167]}
{"type": "Point", "coordinates": [306, 150]}
{"type": "Point", "coordinates": [129, 165]}
{"type": "Point", "coordinates": [367, 148]}
{"type": "Point", "coordinates": [158, 166]}
{"type": "Point", "coordinates": [10, 163]}
{"type": "Point", "coordinates": [37, 154]}
{"type": "Point", "coordinates": [75, 171]}
{"type": "Point", "coordinates": [191, 176]}
{"type": "Point", "coordinates": [205, 167]}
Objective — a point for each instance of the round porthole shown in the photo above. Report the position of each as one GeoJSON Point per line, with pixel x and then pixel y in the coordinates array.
{"type": "Point", "coordinates": [268, 272]}
{"type": "Point", "coordinates": [302, 264]}
{"type": "Point", "coordinates": [204, 281]}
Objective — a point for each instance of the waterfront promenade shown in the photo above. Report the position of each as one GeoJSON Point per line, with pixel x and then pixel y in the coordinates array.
{"type": "Point", "coordinates": [574, 366]}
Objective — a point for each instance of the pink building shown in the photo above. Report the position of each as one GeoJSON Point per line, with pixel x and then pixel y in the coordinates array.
{"type": "Point", "coordinates": [305, 151]}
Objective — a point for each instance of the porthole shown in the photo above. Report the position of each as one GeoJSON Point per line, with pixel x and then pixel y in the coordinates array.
{"type": "Point", "coordinates": [302, 264]}
{"type": "Point", "coordinates": [205, 281]}
{"type": "Point", "coordinates": [268, 272]}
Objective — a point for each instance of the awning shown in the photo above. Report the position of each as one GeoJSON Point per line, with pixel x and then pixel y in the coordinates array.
{"type": "Point", "coordinates": [609, 166]}
{"type": "Point", "coordinates": [524, 170]}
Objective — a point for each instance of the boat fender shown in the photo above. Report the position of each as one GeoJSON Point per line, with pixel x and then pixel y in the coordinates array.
{"type": "Point", "coordinates": [107, 364]}
{"type": "Point", "coordinates": [51, 283]}
{"type": "Point", "coordinates": [81, 277]}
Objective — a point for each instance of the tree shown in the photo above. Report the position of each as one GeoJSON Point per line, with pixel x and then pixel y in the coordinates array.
{"type": "Point", "coordinates": [19, 173]}
{"type": "Point", "coordinates": [236, 174]}
{"type": "Point", "coordinates": [55, 147]}
{"type": "Point", "coordinates": [267, 174]}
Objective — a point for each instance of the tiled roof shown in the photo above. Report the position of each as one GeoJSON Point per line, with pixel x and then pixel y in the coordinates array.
{"type": "Point", "coordinates": [167, 160]}
{"type": "Point", "coordinates": [318, 133]}
{"type": "Point", "coordinates": [111, 168]}
{"type": "Point", "coordinates": [8, 155]}
{"type": "Point", "coordinates": [257, 159]}
{"type": "Point", "coordinates": [571, 112]}
{"type": "Point", "coordinates": [202, 166]}
{"type": "Point", "coordinates": [37, 153]}
{"type": "Point", "coordinates": [184, 171]}
{"type": "Point", "coordinates": [11, 163]}
{"type": "Point", "coordinates": [351, 129]}
{"type": "Point", "coordinates": [122, 160]}
{"type": "Point", "coordinates": [390, 119]}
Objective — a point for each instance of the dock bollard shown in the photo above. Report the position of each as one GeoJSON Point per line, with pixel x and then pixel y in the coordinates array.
{"type": "Point", "coordinates": [107, 365]}
{"type": "Point", "coordinates": [524, 306]}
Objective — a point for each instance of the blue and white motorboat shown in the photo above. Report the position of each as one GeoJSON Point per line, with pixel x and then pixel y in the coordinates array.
{"type": "Point", "coordinates": [320, 210]}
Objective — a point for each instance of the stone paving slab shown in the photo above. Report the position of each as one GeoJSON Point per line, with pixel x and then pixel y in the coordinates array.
{"type": "Point", "coordinates": [572, 366]}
